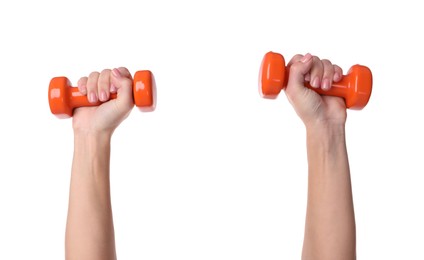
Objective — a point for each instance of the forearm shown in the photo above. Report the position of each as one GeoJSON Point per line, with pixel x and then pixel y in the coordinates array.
{"type": "Point", "coordinates": [330, 222]}
{"type": "Point", "coordinates": [89, 229]}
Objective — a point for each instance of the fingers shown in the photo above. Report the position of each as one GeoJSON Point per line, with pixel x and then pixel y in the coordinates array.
{"type": "Point", "coordinates": [98, 86]}
{"type": "Point", "coordinates": [300, 67]}
{"type": "Point", "coordinates": [82, 85]}
{"type": "Point", "coordinates": [321, 74]}
{"type": "Point", "coordinates": [103, 85]}
{"type": "Point", "coordinates": [121, 79]}
{"type": "Point", "coordinates": [124, 72]}
{"type": "Point", "coordinates": [92, 87]}
{"type": "Point", "coordinates": [316, 73]}
{"type": "Point", "coordinates": [338, 73]}
{"type": "Point", "coordinates": [327, 74]}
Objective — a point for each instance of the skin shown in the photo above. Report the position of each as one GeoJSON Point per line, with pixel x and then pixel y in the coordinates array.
{"type": "Point", "coordinates": [330, 222]}
{"type": "Point", "coordinates": [89, 228]}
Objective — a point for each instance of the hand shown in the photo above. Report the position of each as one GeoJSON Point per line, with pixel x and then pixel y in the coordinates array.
{"type": "Point", "coordinates": [311, 107]}
{"type": "Point", "coordinates": [98, 87]}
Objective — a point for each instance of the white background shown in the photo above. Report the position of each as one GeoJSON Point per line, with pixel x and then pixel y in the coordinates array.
{"type": "Point", "coordinates": [215, 172]}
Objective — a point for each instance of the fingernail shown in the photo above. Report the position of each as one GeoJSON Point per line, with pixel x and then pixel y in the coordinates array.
{"type": "Point", "coordinates": [325, 84]}
{"type": "Point", "coordinates": [103, 96]}
{"type": "Point", "coordinates": [116, 73]}
{"type": "Point", "coordinates": [92, 97]}
{"type": "Point", "coordinates": [306, 58]}
{"type": "Point", "coordinates": [112, 88]}
{"type": "Point", "coordinates": [315, 82]}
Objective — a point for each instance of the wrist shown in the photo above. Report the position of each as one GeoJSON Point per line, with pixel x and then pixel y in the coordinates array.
{"type": "Point", "coordinates": [326, 147]}
{"type": "Point", "coordinates": [92, 136]}
{"type": "Point", "coordinates": [91, 154]}
{"type": "Point", "coordinates": [92, 145]}
{"type": "Point", "coordinates": [326, 135]}
{"type": "Point", "coordinates": [326, 129]}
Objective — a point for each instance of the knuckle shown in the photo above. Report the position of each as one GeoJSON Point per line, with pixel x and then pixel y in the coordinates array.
{"type": "Point", "coordinates": [94, 74]}
{"type": "Point", "coordinates": [337, 68]}
{"type": "Point", "coordinates": [297, 57]}
{"type": "Point", "coordinates": [316, 59]}
{"type": "Point", "coordinates": [82, 80]}
{"type": "Point", "coordinates": [326, 62]}
{"type": "Point", "coordinates": [104, 81]}
{"type": "Point", "coordinates": [126, 82]}
{"type": "Point", "coordinates": [105, 71]}
{"type": "Point", "coordinates": [295, 67]}
{"type": "Point", "coordinates": [124, 71]}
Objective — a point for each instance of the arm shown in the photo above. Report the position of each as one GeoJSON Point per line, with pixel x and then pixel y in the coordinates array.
{"type": "Point", "coordinates": [89, 229]}
{"type": "Point", "coordinates": [330, 221]}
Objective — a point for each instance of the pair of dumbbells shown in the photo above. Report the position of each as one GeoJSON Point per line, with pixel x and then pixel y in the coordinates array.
{"type": "Point", "coordinates": [355, 87]}
{"type": "Point", "coordinates": [63, 98]}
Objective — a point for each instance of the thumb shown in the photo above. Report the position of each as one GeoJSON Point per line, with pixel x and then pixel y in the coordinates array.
{"type": "Point", "coordinates": [297, 72]}
{"type": "Point", "coordinates": [122, 80]}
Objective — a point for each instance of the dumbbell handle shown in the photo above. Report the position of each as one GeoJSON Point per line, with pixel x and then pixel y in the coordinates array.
{"type": "Point", "coordinates": [338, 89]}
{"type": "Point", "coordinates": [76, 99]}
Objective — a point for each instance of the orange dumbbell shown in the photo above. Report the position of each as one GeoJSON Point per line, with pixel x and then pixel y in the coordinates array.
{"type": "Point", "coordinates": [63, 98]}
{"type": "Point", "coordinates": [355, 87]}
